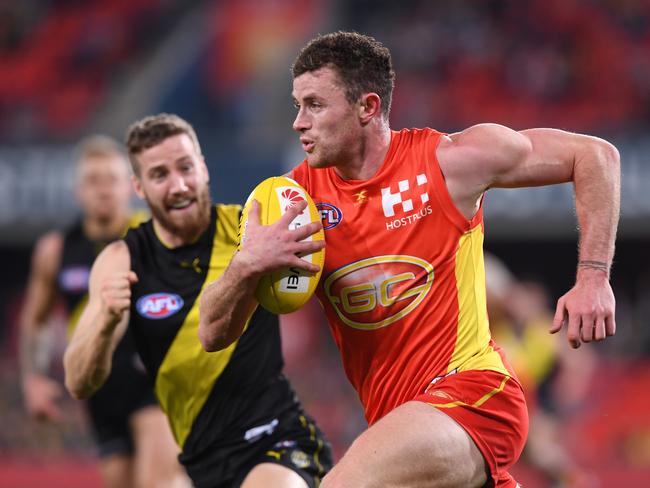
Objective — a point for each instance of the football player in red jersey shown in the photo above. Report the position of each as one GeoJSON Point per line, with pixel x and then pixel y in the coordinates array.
{"type": "Point", "coordinates": [403, 283]}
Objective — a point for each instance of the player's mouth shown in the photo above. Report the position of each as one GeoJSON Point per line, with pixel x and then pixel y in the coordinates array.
{"type": "Point", "coordinates": [307, 144]}
{"type": "Point", "coordinates": [181, 205]}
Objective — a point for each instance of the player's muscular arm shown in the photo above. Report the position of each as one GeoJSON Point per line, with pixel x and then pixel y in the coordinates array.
{"type": "Point", "coordinates": [39, 391]}
{"type": "Point", "coordinates": [227, 303]}
{"type": "Point", "coordinates": [493, 156]}
{"type": "Point", "coordinates": [87, 359]}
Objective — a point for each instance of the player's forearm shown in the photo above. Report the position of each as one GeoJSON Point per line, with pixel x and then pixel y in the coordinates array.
{"type": "Point", "coordinates": [88, 357]}
{"type": "Point", "coordinates": [225, 306]}
{"type": "Point", "coordinates": [35, 349]}
{"type": "Point", "coordinates": [597, 190]}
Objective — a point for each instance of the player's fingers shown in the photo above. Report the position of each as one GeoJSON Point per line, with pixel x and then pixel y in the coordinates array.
{"type": "Point", "coordinates": [309, 247]}
{"type": "Point", "coordinates": [132, 277]}
{"type": "Point", "coordinates": [610, 325]}
{"type": "Point", "coordinates": [305, 265]}
{"type": "Point", "coordinates": [304, 231]}
{"type": "Point", "coordinates": [291, 213]}
{"type": "Point", "coordinates": [123, 304]}
{"type": "Point", "coordinates": [254, 213]}
{"type": "Point", "coordinates": [121, 292]}
{"type": "Point", "coordinates": [573, 330]}
{"type": "Point", "coordinates": [599, 329]}
{"type": "Point", "coordinates": [587, 328]}
{"type": "Point", "coordinates": [559, 318]}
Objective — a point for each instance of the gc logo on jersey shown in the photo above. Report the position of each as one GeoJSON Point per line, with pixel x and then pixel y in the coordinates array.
{"type": "Point", "coordinates": [330, 215]}
{"type": "Point", "coordinates": [159, 305]}
{"type": "Point", "coordinates": [376, 292]}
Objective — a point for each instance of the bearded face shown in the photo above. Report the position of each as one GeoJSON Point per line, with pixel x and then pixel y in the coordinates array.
{"type": "Point", "coordinates": [175, 184]}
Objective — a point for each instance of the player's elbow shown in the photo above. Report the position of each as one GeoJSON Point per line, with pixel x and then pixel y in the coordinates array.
{"type": "Point", "coordinates": [608, 154]}
{"type": "Point", "coordinates": [604, 154]}
{"type": "Point", "coordinates": [76, 388]}
{"type": "Point", "coordinates": [75, 382]}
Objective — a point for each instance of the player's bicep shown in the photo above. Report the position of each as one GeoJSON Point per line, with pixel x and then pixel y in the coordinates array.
{"type": "Point", "coordinates": [539, 157]}
{"type": "Point", "coordinates": [493, 156]}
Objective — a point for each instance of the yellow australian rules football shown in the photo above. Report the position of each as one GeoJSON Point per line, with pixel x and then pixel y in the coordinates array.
{"type": "Point", "coordinates": [288, 289]}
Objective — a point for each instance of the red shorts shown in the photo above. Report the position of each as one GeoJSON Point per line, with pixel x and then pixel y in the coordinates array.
{"type": "Point", "coordinates": [491, 408]}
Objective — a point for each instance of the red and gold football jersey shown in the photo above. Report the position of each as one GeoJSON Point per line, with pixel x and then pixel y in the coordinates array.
{"type": "Point", "coordinates": [403, 285]}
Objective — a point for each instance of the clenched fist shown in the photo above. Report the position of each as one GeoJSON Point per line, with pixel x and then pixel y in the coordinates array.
{"type": "Point", "coordinates": [116, 295]}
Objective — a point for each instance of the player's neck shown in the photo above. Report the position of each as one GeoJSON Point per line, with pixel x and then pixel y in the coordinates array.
{"type": "Point", "coordinates": [105, 230]}
{"type": "Point", "coordinates": [369, 157]}
{"type": "Point", "coordinates": [173, 238]}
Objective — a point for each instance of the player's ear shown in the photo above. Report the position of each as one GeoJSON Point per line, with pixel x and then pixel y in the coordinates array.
{"type": "Point", "coordinates": [137, 186]}
{"type": "Point", "coordinates": [204, 168]}
{"type": "Point", "coordinates": [369, 107]}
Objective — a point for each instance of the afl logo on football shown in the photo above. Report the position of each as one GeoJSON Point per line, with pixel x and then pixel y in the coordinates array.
{"type": "Point", "coordinates": [330, 215]}
{"type": "Point", "coordinates": [290, 197]}
{"type": "Point", "coordinates": [159, 305]}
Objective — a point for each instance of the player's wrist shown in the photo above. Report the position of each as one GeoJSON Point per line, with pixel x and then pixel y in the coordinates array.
{"type": "Point", "coordinates": [108, 320]}
{"type": "Point", "coordinates": [244, 268]}
{"type": "Point", "coordinates": [593, 269]}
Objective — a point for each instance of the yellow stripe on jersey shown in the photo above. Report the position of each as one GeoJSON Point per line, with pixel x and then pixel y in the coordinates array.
{"type": "Point", "coordinates": [188, 373]}
{"type": "Point", "coordinates": [472, 349]}
{"type": "Point", "coordinates": [136, 218]}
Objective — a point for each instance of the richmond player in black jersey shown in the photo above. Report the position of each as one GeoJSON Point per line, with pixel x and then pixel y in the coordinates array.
{"type": "Point", "coordinates": [133, 440]}
{"type": "Point", "coordinates": [232, 412]}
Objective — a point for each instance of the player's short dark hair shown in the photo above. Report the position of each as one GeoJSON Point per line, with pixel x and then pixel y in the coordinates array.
{"type": "Point", "coordinates": [152, 130]}
{"type": "Point", "coordinates": [363, 64]}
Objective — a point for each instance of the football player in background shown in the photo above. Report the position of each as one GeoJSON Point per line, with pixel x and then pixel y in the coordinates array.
{"type": "Point", "coordinates": [233, 413]}
{"type": "Point", "coordinates": [133, 439]}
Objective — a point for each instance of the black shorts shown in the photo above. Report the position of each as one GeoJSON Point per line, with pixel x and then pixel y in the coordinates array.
{"type": "Point", "coordinates": [293, 440]}
{"type": "Point", "coordinates": [126, 391]}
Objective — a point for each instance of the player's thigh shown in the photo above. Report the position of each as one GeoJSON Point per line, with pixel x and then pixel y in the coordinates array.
{"type": "Point", "coordinates": [415, 445]}
{"type": "Point", "coordinates": [117, 471]}
{"type": "Point", "coordinates": [271, 475]}
{"type": "Point", "coordinates": [156, 452]}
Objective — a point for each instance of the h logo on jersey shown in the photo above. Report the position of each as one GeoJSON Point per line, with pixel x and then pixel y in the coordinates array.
{"type": "Point", "coordinates": [391, 200]}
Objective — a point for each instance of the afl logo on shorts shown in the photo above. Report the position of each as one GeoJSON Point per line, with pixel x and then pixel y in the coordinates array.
{"type": "Point", "coordinates": [377, 292]}
{"type": "Point", "coordinates": [159, 305]}
{"type": "Point", "coordinates": [330, 215]}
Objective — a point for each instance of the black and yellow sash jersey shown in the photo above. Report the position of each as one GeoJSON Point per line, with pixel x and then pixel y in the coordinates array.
{"type": "Point", "coordinates": [209, 398]}
{"type": "Point", "coordinates": [127, 374]}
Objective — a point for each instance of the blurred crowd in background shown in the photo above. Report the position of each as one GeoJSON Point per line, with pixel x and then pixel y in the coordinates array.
{"type": "Point", "coordinates": [74, 67]}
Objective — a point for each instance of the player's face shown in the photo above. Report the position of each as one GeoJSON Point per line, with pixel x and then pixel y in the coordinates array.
{"type": "Point", "coordinates": [103, 187]}
{"type": "Point", "coordinates": [174, 181]}
{"type": "Point", "coordinates": [327, 122]}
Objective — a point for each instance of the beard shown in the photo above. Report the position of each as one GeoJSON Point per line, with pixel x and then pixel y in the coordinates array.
{"type": "Point", "coordinates": [190, 225]}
